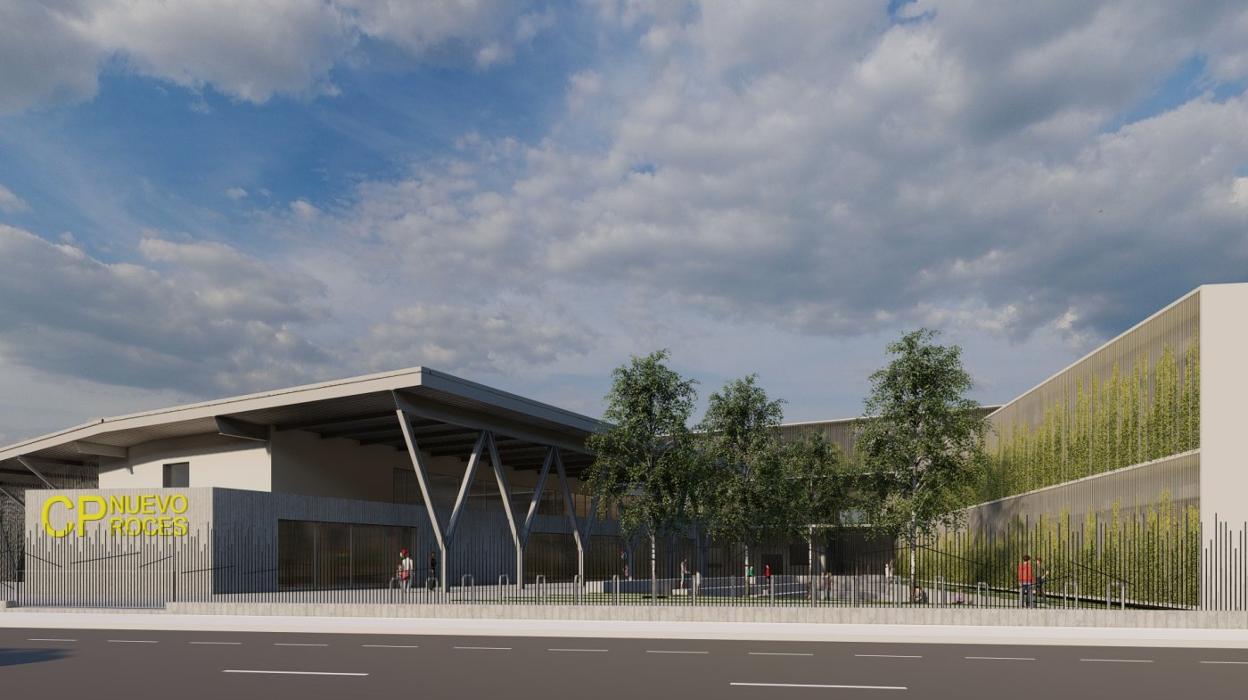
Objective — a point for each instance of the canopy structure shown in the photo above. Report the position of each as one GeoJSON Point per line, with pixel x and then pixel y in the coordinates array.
{"type": "Point", "coordinates": [447, 415]}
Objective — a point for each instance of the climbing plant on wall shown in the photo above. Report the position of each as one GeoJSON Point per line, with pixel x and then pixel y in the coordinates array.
{"type": "Point", "coordinates": [1134, 415]}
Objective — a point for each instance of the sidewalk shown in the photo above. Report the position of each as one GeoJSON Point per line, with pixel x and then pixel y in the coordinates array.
{"type": "Point", "coordinates": [776, 631]}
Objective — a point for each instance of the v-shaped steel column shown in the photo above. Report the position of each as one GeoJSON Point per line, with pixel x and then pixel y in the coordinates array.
{"type": "Point", "coordinates": [504, 492]}
{"type": "Point", "coordinates": [579, 532]}
{"type": "Point", "coordinates": [422, 479]}
{"type": "Point", "coordinates": [526, 528]}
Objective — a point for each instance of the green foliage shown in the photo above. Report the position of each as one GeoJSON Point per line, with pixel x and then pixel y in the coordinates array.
{"type": "Point", "coordinates": [822, 484]}
{"type": "Point", "coordinates": [1130, 417]}
{"type": "Point", "coordinates": [646, 465]}
{"type": "Point", "coordinates": [1155, 554]}
{"type": "Point", "coordinates": [751, 490]}
{"type": "Point", "coordinates": [921, 439]}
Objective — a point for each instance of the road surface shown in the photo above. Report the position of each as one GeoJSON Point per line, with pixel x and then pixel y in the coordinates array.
{"type": "Point", "coordinates": [101, 664]}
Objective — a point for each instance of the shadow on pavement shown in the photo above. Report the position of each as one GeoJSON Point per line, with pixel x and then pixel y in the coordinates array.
{"type": "Point", "coordinates": [17, 657]}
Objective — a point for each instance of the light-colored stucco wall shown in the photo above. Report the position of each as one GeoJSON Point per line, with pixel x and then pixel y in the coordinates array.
{"type": "Point", "coordinates": [215, 461]}
{"type": "Point", "coordinates": [1223, 405]}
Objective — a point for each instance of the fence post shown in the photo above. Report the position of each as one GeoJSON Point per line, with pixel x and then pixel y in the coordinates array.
{"type": "Point", "coordinates": [615, 580]}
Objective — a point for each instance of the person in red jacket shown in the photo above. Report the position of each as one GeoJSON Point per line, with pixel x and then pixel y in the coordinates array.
{"type": "Point", "coordinates": [1026, 582]}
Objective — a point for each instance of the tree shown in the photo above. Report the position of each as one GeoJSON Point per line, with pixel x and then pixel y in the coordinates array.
{"type": "Point", "coordinates": [645, 464]}
{"type": "Point", "coordinates": [922, 440]}
{"type": "Point", "coordinates": [740, 439]}
{"type": "Point", "coordinates": [822, 488]}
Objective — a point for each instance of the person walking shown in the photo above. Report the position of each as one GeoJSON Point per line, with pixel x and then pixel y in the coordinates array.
{"type": "Point", "coordinates": [407, 569]}
{"type": "Point", "coordinates": [1026, 582]}
{"type": "Point", "coordinates": [433, 570]}
{"type": "Point", "coordinates": [684, 572]}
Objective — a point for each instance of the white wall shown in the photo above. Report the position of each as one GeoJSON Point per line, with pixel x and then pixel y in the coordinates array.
{"type": "Point", "coordinates": [215, 461]}
{"type": "Point", "coordinates": [1223, 405]}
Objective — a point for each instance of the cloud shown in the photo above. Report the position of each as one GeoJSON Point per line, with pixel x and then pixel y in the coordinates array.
{"type": "Point", "coordinates": [196, 317]}
{"type": "Point", "coordinates": [11, 203]}
{"type": "Point", "coordinates": [952, 170]}
{"type": "Point", "coordinates": [250, 51]}
{"type": "Point", "coordinates": [236, 193]}
{"type": "Point", "coordinates": [472, 339]}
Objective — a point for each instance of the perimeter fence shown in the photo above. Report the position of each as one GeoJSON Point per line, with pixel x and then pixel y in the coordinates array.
{"type": "Point", "coordinates": [1124, 565]}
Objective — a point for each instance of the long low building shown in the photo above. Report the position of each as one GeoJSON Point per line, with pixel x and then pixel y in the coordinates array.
{"type": "Point", "coordinates": [318, 486]}
{"type": "Point", "coordinates": [308, 487]}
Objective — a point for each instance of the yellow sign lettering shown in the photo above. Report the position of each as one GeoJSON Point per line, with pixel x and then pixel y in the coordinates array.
{"type": "Point", "coordinates": [47, 522]}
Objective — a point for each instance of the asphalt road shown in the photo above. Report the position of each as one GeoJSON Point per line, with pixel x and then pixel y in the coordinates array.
{"type": "Point", "coordinates": [41, 663]}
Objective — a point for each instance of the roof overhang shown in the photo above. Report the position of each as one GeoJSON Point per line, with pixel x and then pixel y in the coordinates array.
{"type": "Point", "coordinates": [448, 413]}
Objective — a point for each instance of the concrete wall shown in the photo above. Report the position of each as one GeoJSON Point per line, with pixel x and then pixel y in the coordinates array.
{"type": "Point", "coordinates": [306, 464]}
{"type": "Point", "coordinates": [1224, 404]}
{"type": "Point", "coordinates": [1046, 617]}
{"type": "Point", "coordinates": [216, 461]}
{"type": "Point", "coordinates": [102, 569]}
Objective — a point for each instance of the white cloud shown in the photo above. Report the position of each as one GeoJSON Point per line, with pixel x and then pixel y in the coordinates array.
{"type": "Point", "coordinates": [53, 52]}
{"type": "Point", "coordinates": [473, 339]}
{"type": "Point", "coordinates": [198, 317]}
{"type": "Point", "coordinates": [236, 193]}
{"type": "Point", "coordinates": [11, 203]}
{"type": "Point", "coordinates": [944, 170]}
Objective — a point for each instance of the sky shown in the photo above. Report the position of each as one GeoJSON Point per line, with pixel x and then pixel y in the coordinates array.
{"type": "Point", "coordinates": [212, 197]}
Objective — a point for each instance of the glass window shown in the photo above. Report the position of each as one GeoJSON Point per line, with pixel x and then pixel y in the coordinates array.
{"type": "Point", "coordinates": [177, 475]}
{"type": "Point", "coordinates": [338, 555]}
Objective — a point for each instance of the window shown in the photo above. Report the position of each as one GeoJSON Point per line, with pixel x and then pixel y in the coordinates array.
{"type": "Point", "coordinates": [312, 555]}
{"type": "Point", "coordinates": [177, 475]}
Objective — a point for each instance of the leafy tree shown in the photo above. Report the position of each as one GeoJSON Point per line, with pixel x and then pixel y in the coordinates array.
{"type": "Point", "coordinates": [645, 464]}
{"type": "Point", "coordinates": [821, 487]}
{"type": "Point", "coordinates": [922, 440]}
{"type": "Point", "coordinates": [740, 438]}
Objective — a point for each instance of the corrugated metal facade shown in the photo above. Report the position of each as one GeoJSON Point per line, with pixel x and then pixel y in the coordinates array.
{"type": "Point", "coordinates": [1175, 327]}
{"type": "Point", "coordinates": [1132, 491]}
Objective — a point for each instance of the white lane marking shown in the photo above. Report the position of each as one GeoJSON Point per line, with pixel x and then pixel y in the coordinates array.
{"type": "Point", "coordinates": [1238, 663]}
{"type": "Point", "coordinates": [485, 648]}
{"type": "Point", "coordinates": [297, 644]}
{"type": "Point", "coordinates": [1000, 658]}
{"type": "Point", "coordinates": [218, 643]}
{"type": "Point", "coordinates": [781, 653]}
{"type": "Point", "coordinates": [674, 651]}
{"type": "Point", "coordinates": [48, 639]}
{"type": "Point", "coordinates": [1118, 661]}
{"type": "Point", "coordinates": [292, 673]}
{"type": "Point", "coordinates": [598, 651]}
{"type": "Point", "coordinates": [821, 685]}
{"type": "Point", "coordinates": [389, 646]}
{"type": "Point", "coordinates": [134, 641]}
{"type": "Point", "coordinates": [889, 656]}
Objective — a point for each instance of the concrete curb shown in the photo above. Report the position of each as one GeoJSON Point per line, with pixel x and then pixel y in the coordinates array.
{"type": "Point", "coordinates": [623, 629]}
{"type": "Point", "coordinates": [1149, 619]}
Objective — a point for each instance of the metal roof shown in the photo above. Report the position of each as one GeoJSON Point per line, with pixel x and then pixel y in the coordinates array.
{"type": "Point", "coordinates": [361, 408]}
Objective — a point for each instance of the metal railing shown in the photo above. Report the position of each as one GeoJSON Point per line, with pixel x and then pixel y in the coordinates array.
{"type": "Point", "coordinates": [1102, 568]}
